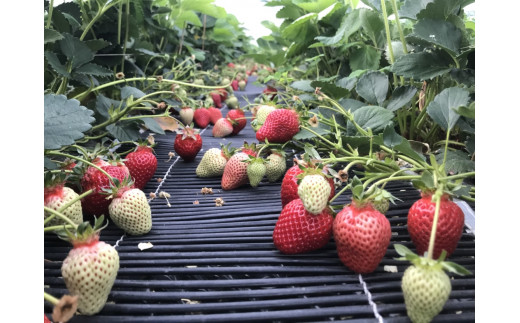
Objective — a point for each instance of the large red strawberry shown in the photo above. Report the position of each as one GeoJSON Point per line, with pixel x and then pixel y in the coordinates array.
{"type": "Point", "coordinates": [362, 236]}
{"type": "Point", "coordinates": [201, 117]}
{"type": "Point", "coordinates": [142, 165]}
{"type": "Point", "coordinates": [279, 126]}
{"type": "Point", "coordinates": [214, 115]}
{"type": "Point", "coordinates": [289, 188]}
{"type": "Point", "coordinates": [235, 172]}
{"type": "Point", "coordinates": [449, 226]}
{"type": "Point", "coordinates": [97, 203]}
{"type": "Point", "coordinates": [238, 120]}
{"type": "Point", "coordinates": [299, 231]}
{"type": "Point", "coordinates": [187, 143]}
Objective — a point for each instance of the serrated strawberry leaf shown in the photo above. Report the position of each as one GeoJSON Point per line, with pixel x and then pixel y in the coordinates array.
{"type": "Point", "coordinates": [55, 63]}
{"type": "Point", "coordinates": [50, 36]}
{"type": "Point", "coordinates": [128, 91]}
{"type": "Point", "coordinates": [76, 50]}
{"type": "Point", "coordinates": [64, 121]}
{"type": "Point", "coordinates": [93, 69]}
{"type": "Point", "coordinates": [373, 87]}
{"type": "Point", "coordinates": [443, 108]}
{"type": "Point", "coordinates": [152, 124]}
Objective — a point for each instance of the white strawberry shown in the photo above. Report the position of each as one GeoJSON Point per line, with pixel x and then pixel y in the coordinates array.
{"type": "Point", "coordinates": [90, 268]}
{"type": "Point", "coordinates": [314, 191]}
{"type": "Point", "coordinates": [275, 166]}
{"type": "Point", "coordinates": [57, 195]}
{"type": "Point", "coordinates": [213, 162]}
{"type": "Point", "coordinates": [186, 115]}
{"type": "Point", "coordinates": [130, 211]}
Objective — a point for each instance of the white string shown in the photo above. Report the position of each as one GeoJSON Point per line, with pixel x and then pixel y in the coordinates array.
{"type": "Point", "coordinates": [158, 188]}
{"type": "Point", "coordinates": [370, 301]}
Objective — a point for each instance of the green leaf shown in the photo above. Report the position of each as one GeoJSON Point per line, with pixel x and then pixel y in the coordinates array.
{"type": "Point", "coordinates": [303, 85]}
{"type": "Point", "coordinates": [305, 134]}
{"type": "Point", "coordinates": [59, 22]}
{"type": "Point", "coordinates": [400, 97]}
{"type": "Point", "coordinates": [330, 89]}
{"type": "Point", "coordinates": [55, 63]}
{"type": "Point", "coordinates": [373, 117]}
{"type": "Point", "coordinates": [351, 104]}
{"type": "Point", "coordinates": [438, 32]}
{"type": "Point", "coordinates": [205, 7]}
{"type": "Point", "coordinates": [347, 82]}
{"type": "Point", "coordinates": [468, 112]}
{"type": "Point", "coordinates": [127, 91]}
{"type": "Point", "coordinates": [64, 121]}
{"type": "Point", "coordinates": [390, 137]}
{"type": "Point", "coordinates": [443, 107]}
{"type": "Point", "coordinates": [374, 26]}
{"type": "Point", "coordinates": [406, 148]}
{"type": "Point", "coordinates": [290, 12]}
{"type": "Point", "coordinates": [301, 29]}
{"type": "Point", "coordinates": [373, 87]}
{"type": "Point", "coordinates": [421, 66]}
{"type": "Point", "coordinates": [151, 124]}
{"type": "Point", "coordinates": [313, 5]}
{"type": "Point", "coordinates": [350, 24]}
{"type": "Point", "coordinates": [94, 69]}
{"type": "Point", "coordinates": [97, 44]}
{"type": "Point", "coordinates": [456, 162]}
{"type": "Point", "coordinates": [76, 50]}
{"type": "Point", "coordinates": [49, 164]}
{"type": "Point", "coordinates": [442, 9]}
{"type": "Point", "coordinates": [455, 268]}
{"type": "Point", "coordinates": [365, 58]}
{"type": "Point", "coordinates": [124, 131]}
{"type": "Point", "coordinates": [104, 104]}
{"type": "Point", "coordinates": [411, 8]}
{"type": "Point", "coordinates": [402, 250]}
{"type": "Point", "coordinates": [50, 36]}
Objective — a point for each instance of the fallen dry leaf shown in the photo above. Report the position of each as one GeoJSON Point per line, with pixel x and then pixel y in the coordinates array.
{"type": "Point", "coordinates": [196, 202]}
{"type": "Point", "coordinates": [219, 201]}
{"type": "Point", "coordinates": [144, 245]}
{"type": "Point", "coordinates": [206, 190]}
{"type": "Point", "coordinates": [167, 123]}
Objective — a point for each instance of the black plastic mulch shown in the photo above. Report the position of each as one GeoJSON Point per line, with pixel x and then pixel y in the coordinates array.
{"type": "Point", "coordinates": [218, 264]}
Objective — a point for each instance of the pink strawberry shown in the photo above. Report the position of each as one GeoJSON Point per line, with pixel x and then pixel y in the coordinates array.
{"type": "Point", "coordinates": [223, 93]}
{"type": "Point", "coordinates": [201, 117]}
{"type": "Point", "coordinates": [238, 120]}
{"type": "Point", "coordinates": [279, 126]}
{"type": "Point", "coordinates": [362, 236]}
{"type": "Point", "coordinates": [235, 172]}
{"type": "Point", "coordinates": [222, 128]}
{"type": "Point", "coordinates": [187, 143]}
{"type": "Point", "coordinates": [299, 231]}
{"type": "Point", "coordinates": [214, 115]}
{"type": "Point", "coordinates": [270, 92]}
{"type": "Point", "coordinates": [142, 165]}
{"type": "Point", "coordinates": [234, 85]}
{"type": "Point", "coordinates": [96, 203]}
{"type": "Point", "coordinates": [90, 268]}
{"type": "Point", "coordinates": [231, 65]}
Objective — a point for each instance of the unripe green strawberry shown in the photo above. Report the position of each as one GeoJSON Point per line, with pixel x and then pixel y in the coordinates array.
{"type": "Point", "coordinates": [314, 191]}
{"type": "Point", "coordinates": [232, 102]}
{"type": "Point", "coordinates": [242, 85]}
{"type": "Point", "coordinates": [90, 268]}
{"type": "Point", "coordinates": [57, 195]}
{"type": "Point", "coordinates": [426, 289]}
{"type": "Point", "coordinates": [255, 171]}
{"type": "Point", "coordinates": [381, 205]}
{"type": "Point", "coordinates": [275, 167]}
{"type": "Point", "coordinates": [213, 162]}
{"type": "Point", "coordinates": [130, 211]}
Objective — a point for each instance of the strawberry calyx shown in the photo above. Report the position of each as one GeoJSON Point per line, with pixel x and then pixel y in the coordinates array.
{"type": "Point", "coordinates": [188, 132]}
{"type": "Point", "coordinates": [250, 149]}
{"type": "Point", "coordinates": [226, 151]}
{"type": "Point", "coordinates": [433, 264]}
{"type": "Point", "coordinates": [117, 189]}
{"type": "Point", "coordinates": [85, 234]}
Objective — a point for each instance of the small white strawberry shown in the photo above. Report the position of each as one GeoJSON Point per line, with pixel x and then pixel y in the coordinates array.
{"type": "Point", "coordinates": [130, 210]}
{"type": "Point", "coordinates": [186, 115]}
{"type": "Point", "coordinates": [90, 268]}
{"type": "Point", "coordinates": [213, 162]}
{"type": "Point", "coordinates": [314, 191]}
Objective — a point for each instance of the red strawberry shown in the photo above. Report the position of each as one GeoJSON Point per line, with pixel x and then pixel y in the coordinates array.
{"type": "Point", "coordinates": [214, 115]}
{"type": "Point", "coordinates": [362, 235]}
{"type": "Point", "coordinates": [231, 65]}
{"type": "Point", "coordinates": [279, 126]}
{"type": "Point", "coordinates": [449, 226]}
{"type": "Point", "coordinates": [46, 319]}
{"type": "Point", "coordinates": [142, 165]}
{"type": "Point", "coordinates": [234, 85]}
{"type": "Point", "coordinates": [201, 116]}
{"type": "Point", "coordinates": [238, 120]}
{"type": "Point", "coordinates": [187, 143]}
{"type": "Point", "coordinates": [235, 172]}
{"type": "Point", "coordinates": [289, 188]}
{"type": "Point", "coordinates": [222, 128]}
{"type": "Point", "coordinates": [217, 100]}
{"type": "Point", "coordinates": [96, 203]}
{"type": "Point", "coordinates": [298, 231]}
{"type": "Point", "coordinates": [223, 93]}
{"type": "Point", "coordinates": [270, 90]}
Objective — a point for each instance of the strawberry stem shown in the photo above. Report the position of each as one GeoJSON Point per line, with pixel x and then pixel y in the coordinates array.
{"type": "Point", "coordinates": [438, 198]}
{"type": "Point", "coordinates": [59, 215]}
{"type": "Point", "coordinates": [49, 298]}
{"type": "Point", "coordinates": [58, 227]}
